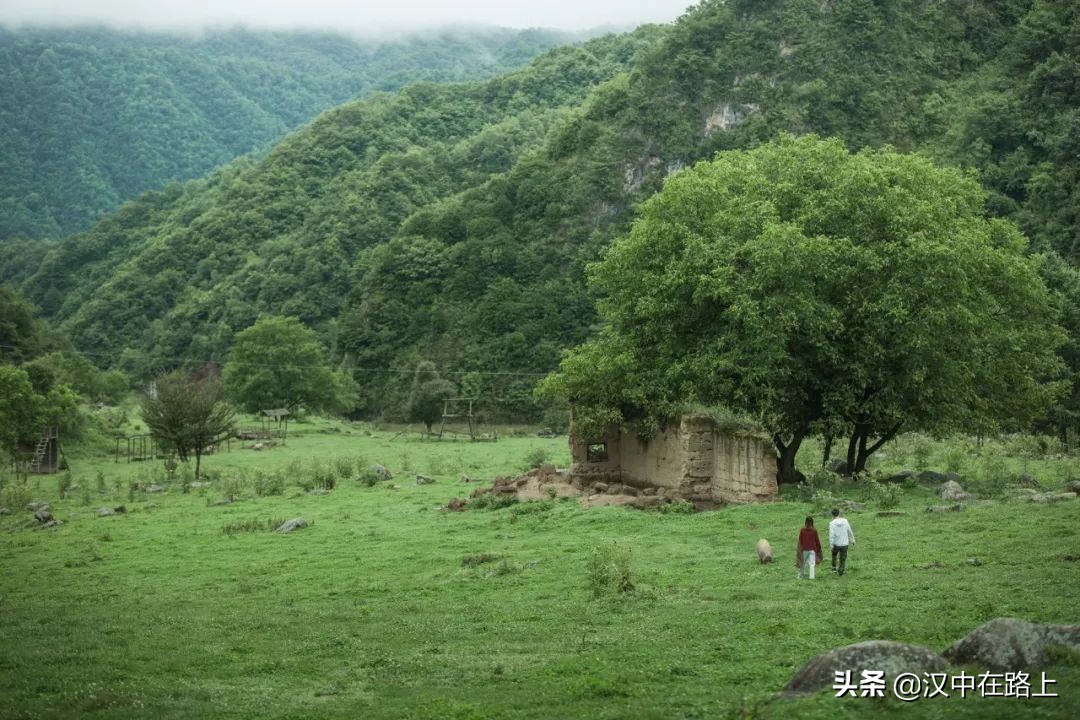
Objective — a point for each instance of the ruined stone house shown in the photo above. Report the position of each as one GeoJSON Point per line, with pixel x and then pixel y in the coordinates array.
{"type": "Point", "coordinates": [692, 459]}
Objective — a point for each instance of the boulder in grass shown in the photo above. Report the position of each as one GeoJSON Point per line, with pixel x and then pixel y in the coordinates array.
{"type": "Point", "coordinates": [424, 480]}
{"type": "Point", "coordinates": [382, 472]}
{"type": "Point", "coordinates": [105, 512]}
{"type": "Point", "coordinates": [1012, 644]}
{"type": "Point", "coordinates": [44, 515]}
{"type": "Point", "coordinates": [5, 511]}
{"type": "Point", "coordinates": [951, 491]}
{"type": "Point", "coordinates": [933, 476]}
{"type": "Point", "coordinates": [893, 658]}
{"type": "Point", "coordinates": [290, 525]}
{"type": "Point", "coordinates": [1073, 486]}
{"type": "Point", "coordinates": [899, 477]}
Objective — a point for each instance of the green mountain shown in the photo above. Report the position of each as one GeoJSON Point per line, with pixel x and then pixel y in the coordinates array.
{"type": "Point", "coordinates": [455, 222]}
{"type": "Point", "coordinates": [90, 118]}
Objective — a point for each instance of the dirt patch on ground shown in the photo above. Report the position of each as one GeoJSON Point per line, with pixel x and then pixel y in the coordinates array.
{"type": "Point", "coordinates": [547, 482]}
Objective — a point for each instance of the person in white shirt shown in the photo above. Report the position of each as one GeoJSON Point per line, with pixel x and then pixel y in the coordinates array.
{"type": "Point", "coordinates": [840, 536]}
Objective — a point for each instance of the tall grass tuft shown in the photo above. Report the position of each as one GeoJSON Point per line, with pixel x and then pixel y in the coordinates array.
{"type": "Point", "coordinates": [608, 570]}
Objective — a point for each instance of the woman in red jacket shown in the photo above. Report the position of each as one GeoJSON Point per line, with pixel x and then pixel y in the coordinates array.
{"type": "Point", "coordinates": [808, 552]}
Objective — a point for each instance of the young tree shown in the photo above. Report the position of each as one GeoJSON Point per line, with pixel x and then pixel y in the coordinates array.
{"type": "Point", "coordinates": [280, 363]}
{"type": "Point", "coordinates": [807, 285]}
{"type": "Point", "coordinates": [188, 413]}
{"type": "Point", "coordinates": [428, 394]}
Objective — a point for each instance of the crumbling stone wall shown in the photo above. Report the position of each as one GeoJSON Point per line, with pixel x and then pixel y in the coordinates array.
{"type": "Point", "coordinates": [693, 460]}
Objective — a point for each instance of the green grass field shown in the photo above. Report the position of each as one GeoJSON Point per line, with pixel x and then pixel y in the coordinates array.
{"type": "Point", "coordinates": [371, 612]}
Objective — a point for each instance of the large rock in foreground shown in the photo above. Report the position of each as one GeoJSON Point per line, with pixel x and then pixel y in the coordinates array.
{"type": "Point", "coordinates": [1012, 644]}
{"type": "Point", "coordinates": [892, 657]}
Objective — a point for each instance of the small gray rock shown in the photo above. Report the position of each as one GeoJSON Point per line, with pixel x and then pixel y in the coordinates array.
{"type": "Point", "coordinates": [105, 512]}
{"type": "Point", "coordinates": [35, 505]}
{"type": "Point", "coordinates": [5, 511]}
{"type": "Point", "coordinates": [424, 480]}
{"type": "Point", "coordinates": [1073, 486]}
{"type": "Point", "coordinates": [950, 491]}
{"type": "Point", "coordinates": [892, 657]}
{"type": "Point", "coordinates": [290, 525]}
{"type": "Point", "coordinates": [155, 489]}
{"type": "Point", "coordinates": [1012, 644]}
{"type": "Point", "coordinates": [382, 472]}
{"type": "Point", "coordinates": [933, 476]}
{"type": "Point", "coordinates": [899, 477]}
{"type": "Point", "coordinates": [974, 561]}
{"type": "Point", "coordinates": [43, 515]}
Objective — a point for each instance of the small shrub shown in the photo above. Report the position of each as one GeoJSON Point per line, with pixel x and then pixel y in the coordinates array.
{"type": "Point", "coordinates": [608, 570]}
{"type": "Point", "coordinates": [63, 483]}
{"type": "Point", "coordinates": [234, 485]}
{"type": "Point", "coordinates": [99, 481]}
{"type": "Point", "coordinates": [920, 452]}
{"type": "Point", "coordinates": [992, 477]}
{"type": "Point", "coordinates": [533, 507]}
{"type": "Point", "coordinates": [678, 507]}
{"type": "Point", "coordinates": [886, 495]}
{"type": "Point", "coordinates": [15, 494]}
{"type": "Point", "coordinates": [474, 560]}
{"type": "Point", "coordinates": [269, 484]}
{"type": "Point", "coordinates": [955, 458]}
{"type": "Point", "coordinates": [536, 457]}
{"type": "Point", "coordinates": [252, 525]}
{"type": "Point", "coordinates": [344, 466]}
{"type": "Point", "coordinates": [492, 502]}
{"type": "Point", "coordinates": [505, 567]}
{"type": "Point", "coordinates": [368, 478]}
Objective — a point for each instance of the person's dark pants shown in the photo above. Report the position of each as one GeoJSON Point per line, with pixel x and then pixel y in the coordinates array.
{"type": "Point", "coordinates": [840, 550]}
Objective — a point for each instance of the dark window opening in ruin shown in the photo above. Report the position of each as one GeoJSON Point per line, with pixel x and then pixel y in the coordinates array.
{"type": "Point", "coordinates": [597, 452]}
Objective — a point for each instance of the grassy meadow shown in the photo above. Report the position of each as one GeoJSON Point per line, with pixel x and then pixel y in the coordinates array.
{"type": "Point", "coordinates": [388, 607]}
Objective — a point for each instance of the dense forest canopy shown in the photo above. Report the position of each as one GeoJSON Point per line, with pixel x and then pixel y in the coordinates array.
{"type": "Point", "coordinates": [454, 223]}
{"type": "Point", "coordinates": [90, 118]}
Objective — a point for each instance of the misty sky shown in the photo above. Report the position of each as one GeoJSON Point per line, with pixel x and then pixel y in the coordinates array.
{"type": "Point", "coordinates": [356, 16]}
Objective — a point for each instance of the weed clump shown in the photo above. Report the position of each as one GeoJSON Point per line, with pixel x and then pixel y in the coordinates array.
{"type": "Point", "coordinates": [269, 484]}
{"type": "Point", "coordinates": [678, 507]}
{"type": "Point", "coordinates": [252, 525]}
{"type": "Point", "coordinates": [536, 457]}
{"type": "Point", "coordinates": [608, 570]}
{"type": "Point", "coordinates": [474, 560]}
{"type": "Point", "coordinates": [492, 502]}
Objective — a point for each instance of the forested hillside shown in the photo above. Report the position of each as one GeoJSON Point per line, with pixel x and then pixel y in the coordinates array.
{"type": "Point", "coordinates": [90, 118]}
{"type": "Point", "coordinates": [454, 223]}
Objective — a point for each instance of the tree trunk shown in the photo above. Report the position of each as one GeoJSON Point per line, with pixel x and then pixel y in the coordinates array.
{"type": "Point", "coordinates": [785, 463]}
{"type": "Point", "coordinates": [857, 435]}
{"type": "Point", "coordinates": [198, 462]}
{"type": "Point", "coordinates": [866, 452]}
{"type": "Point", "coordinates": [828, 449]}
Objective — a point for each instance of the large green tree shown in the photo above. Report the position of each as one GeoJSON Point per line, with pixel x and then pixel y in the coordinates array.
{"type": "Point", "coordinates": [806, 284]}
{"type": "Point", "coordinates": [20, 409]}
{"type": "Point", "coordinates": [280, 363]}
{"type": "Point", "coordinates": [188, 413]}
